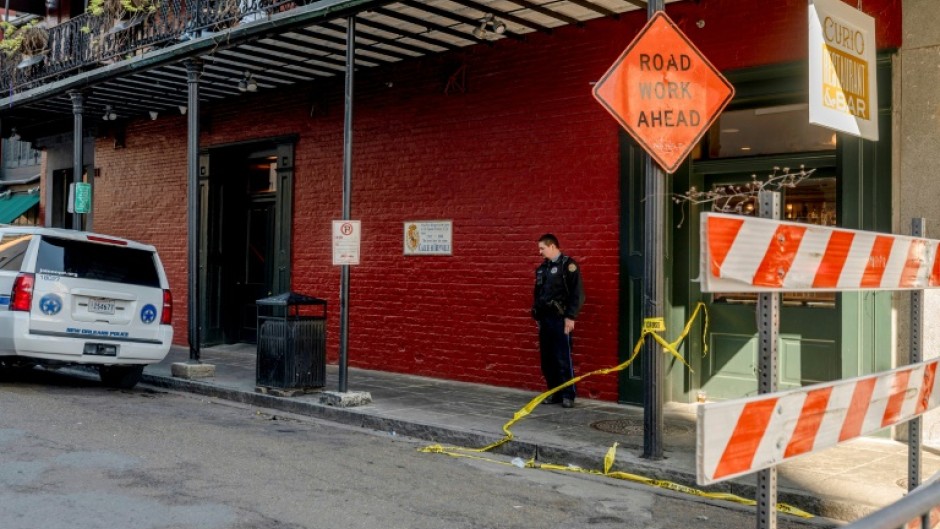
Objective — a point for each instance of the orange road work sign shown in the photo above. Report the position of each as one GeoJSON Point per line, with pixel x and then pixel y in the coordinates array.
{"type": "Point", "coordinates": [664, 92]}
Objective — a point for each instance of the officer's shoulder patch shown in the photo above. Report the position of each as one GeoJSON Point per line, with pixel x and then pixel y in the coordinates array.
{"type": "Point", "coordinates": [572, 267]}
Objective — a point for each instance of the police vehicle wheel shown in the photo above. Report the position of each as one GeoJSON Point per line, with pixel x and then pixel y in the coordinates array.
{"type": "Point", "coordinates": [121, 377]}
{"type": "Point", "coordinates": [14, 369]}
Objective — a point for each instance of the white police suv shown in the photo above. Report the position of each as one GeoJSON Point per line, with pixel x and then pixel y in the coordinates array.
{"type": "Point", "coordinates": [72, 297]}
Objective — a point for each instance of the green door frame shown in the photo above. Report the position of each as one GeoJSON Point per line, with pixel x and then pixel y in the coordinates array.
{"type": "Point", "coordinates": [864, 170]}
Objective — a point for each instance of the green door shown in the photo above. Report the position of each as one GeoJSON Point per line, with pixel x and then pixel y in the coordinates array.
{"type": "Point", "coordinates": [810, 323]}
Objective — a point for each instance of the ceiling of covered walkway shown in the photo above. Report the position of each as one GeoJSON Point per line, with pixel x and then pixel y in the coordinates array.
{"type": "Point", "coordinates": [302, 45]}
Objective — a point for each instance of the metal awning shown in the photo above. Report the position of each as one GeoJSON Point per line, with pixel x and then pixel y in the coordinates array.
{"type": "Point", "coordinates": [13, 205]}
{"type": "Point", "coordinates": [301, 45]}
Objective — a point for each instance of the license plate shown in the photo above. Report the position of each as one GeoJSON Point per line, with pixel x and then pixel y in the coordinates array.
{"type": "Point", "coordinates": [101, 306]}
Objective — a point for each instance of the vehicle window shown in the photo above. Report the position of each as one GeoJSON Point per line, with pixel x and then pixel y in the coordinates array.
{"type": "Point", "coordinates": [67, 257]}
{"type": "Point", "coordinates": [12, 249]}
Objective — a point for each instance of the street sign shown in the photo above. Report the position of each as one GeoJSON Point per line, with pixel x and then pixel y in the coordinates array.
{"type": "Point", "coordinates": [79, 198]}
{"type": "Point", "coordinates": [82, 197]}
{"type": "Point", "coordinates": [347, 235]}
{"type": "Point", "coordinates": [664, 92]}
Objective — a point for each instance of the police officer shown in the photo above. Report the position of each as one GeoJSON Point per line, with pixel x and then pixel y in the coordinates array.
{"type": "Point", "coordinates": [558, 298]}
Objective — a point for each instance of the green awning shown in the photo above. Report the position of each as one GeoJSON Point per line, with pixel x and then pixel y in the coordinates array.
{"type": "Point", "coordinates": [11, 207]}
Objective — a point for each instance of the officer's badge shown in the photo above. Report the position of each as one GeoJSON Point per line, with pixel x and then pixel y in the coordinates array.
{"type": "Point", "coordinates": [572, 268]}
{"type": "Point", "coordinates": [554, 270]}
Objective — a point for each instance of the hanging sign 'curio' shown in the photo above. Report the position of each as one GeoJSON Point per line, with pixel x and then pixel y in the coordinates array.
{"type": "Point", "coordinates": [664, 92]}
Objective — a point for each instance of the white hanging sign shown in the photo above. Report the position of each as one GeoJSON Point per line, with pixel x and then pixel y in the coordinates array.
{"type": "Point", "coordinates": [843, 86]}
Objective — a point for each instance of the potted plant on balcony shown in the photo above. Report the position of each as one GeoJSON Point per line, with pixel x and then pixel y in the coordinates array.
{"type": "Point", "coordinates": [121, 14]}
{"type": "Point", "coordinates": [24, 45]}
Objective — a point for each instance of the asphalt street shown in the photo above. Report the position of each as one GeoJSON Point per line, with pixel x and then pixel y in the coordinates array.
{"type": "Point", "coordinates": [76, 455]}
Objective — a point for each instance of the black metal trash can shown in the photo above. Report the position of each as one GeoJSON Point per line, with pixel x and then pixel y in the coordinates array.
{"type": "Point", "coordinates": [291, 342]}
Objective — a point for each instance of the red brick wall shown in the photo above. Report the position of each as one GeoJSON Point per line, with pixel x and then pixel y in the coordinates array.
{"type": "Point", "coordinates": [525, 151]}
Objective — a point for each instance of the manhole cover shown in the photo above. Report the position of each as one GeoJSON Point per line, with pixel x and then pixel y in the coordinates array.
{"type": "Point", "coordinates": [635, 427]}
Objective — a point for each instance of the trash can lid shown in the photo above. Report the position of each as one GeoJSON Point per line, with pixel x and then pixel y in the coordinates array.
{"type": "Point", "coordinates": [289, 299]}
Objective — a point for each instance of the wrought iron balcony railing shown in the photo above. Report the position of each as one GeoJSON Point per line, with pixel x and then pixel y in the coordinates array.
{"type": "Point", "coordinates": [90, 41]}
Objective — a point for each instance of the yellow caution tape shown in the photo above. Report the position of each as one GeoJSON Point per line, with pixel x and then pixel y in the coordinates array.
{"type": "Point", "coordinates": [654, 325]}
{"type": "Point", "coordinates": [648, 329]}
{"type": "Point", "coordinates": [651, 327]}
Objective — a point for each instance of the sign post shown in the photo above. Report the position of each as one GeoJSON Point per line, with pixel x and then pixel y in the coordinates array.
{"type": "Point", "coordinates": [768, 322]}
{"type": "Point", "coordinates": [666, 94]}
{"type": "Point", "coordinates": [919, 230]}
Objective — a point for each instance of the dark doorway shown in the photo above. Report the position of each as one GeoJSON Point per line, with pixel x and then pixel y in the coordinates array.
{"type": "Point", "coordinates": [243, 240]}
{"type": "Point", "coordinates": [60, 195]}
{"type": "Point", "coordinates": [259, 260]}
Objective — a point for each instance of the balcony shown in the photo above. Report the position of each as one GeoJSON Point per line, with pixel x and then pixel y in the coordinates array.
{"type": "Point", "coordinates": [89, 41]}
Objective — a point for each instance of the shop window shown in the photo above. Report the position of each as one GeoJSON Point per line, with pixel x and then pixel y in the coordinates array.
{"type": "Point", "coordinates": [811, 201]}
{"type": "Point", "coordinates": [781, 129]}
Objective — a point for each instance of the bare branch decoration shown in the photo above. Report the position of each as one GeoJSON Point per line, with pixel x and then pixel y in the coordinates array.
{"type": "Point", "coordinates": [731, 198]}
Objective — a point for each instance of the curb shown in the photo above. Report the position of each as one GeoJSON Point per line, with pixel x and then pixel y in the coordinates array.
{"type": "Point", "coordinates": [825, 508]}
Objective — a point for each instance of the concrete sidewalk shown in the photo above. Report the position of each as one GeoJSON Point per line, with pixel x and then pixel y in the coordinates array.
{"type": "Point", "coordinates": [843, 483]}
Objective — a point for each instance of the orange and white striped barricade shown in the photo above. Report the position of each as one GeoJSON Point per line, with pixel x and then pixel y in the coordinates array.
{"type": "Point", "coordinates": [747, 254]}
{"type": "Point", "coordinates": [742, 436]}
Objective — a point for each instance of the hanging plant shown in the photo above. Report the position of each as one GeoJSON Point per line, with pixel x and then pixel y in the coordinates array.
{"type": "Point", "coordinates": [29, 39]}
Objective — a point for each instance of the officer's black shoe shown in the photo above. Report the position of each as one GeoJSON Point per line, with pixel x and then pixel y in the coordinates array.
{"type": "Point", "coordinates": [567, 403]}
{"type": "Point", "coordinates": [554, 399]}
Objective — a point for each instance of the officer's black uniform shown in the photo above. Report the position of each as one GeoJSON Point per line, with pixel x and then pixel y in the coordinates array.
{"type": "Point", "coordinates": [558, 295]}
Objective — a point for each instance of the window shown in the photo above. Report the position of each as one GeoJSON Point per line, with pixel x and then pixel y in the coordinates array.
{"type": "Point", "coordinates": [780, 129]}
{"type": "Point", "coordinates": [812, 201]}
{"type": "Point", "coordinates": [12, 249]}
{"type": "Point", "coordinates": [19, 154]}
{"type": "Point", "coordinates": [102, 262]}
{"type": "Point", "coordinates": [262, 176]}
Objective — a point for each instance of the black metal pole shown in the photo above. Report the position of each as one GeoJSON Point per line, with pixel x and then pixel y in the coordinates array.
{"type": "Point", "coordinates": [193, 71]}
{"type": "Point", "coordinates": [347, 201]}
{"type": "Point", "coordinates": [653, 287]}
{"type": "Point", "coordinates": [768, 323]}
{"type": "Point", "coordinates": [78, 148]}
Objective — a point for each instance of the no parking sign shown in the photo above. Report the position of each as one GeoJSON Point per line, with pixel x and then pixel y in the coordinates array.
{"type": "Point", "coordinates": [347, 235]}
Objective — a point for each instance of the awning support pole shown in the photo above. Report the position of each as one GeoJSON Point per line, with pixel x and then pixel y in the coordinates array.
{"type": "Point", "coordinates": [78, 146]}
{"type": "Point", "coordinates": [347, 201]}
{"type": "Point", "coordinates": [193, 71]}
